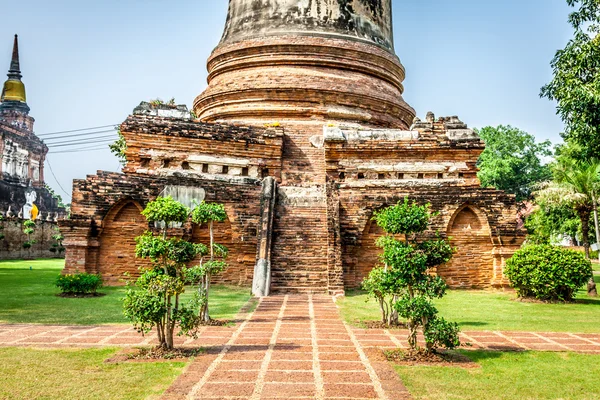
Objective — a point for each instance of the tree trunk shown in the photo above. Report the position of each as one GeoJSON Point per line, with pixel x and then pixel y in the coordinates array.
{"type": "Point", "coordinates": [584, 216]}
{"type": "Point", "coordinates": [206, 316]}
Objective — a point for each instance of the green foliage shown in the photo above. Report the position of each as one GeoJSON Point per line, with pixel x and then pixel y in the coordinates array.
{"type": "Point", "coordinates": [119, 148]}
{"type": "Point", "coordinates": [56, 196]}
{"type": "Point", "coordinates": [29, 229]}
{"type": "Point", "coordinates": [404, 287]}
{"type": "Point", "coordinates": [576, 82]}
{"type": "Point", "coordinates": [166, 209]}
{"type": "Point", "coordinates": [512, 160]}
{"type": "Point", "coordinates": [154, 300]}
{"type": "Point", "coordinates": [548, 272]}
{"type": "Point", "coordinates": [548, 220]}
{"type": "Point", "coordinates": [441, 333]}
{"type": "Point", "coordinates": [576, 184]}
{"type": "Point", "coordinates": [404, 218]}
{"type": "Point", "coordinates": [79, 283]}
{"type": "Point", "coordinates": [208, 212]}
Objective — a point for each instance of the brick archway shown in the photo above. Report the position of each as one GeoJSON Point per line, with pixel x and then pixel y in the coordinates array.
{"type": "Point", "coordinates": [473, 264]}
{"type": "Point", "coordinates": [122, 224]}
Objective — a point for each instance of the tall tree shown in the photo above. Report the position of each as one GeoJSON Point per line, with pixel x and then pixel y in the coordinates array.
{"type": "Point", "coordinates": [577, 184]}
{"type": "Point", "coordinates": [512, 160]}
{"type": "Point", "coordinates": [576, 82]}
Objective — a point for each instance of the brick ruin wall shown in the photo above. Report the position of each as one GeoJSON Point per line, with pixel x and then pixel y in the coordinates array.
{"type": "Point", "coordinates": [106, 218]}
{"type": "Point", "coordinates": [322, 238]}
{"type": "Point", "coordinates": [11, 247]}
{"type": "Point", "coordinates": [477, 221]}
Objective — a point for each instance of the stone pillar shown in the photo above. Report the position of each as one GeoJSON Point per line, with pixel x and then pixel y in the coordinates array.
{"type": "Point", "coordinates": [81, 248]}
{"type": "Point", "coordinates": [334, 245]}
{"type": "Point", "coordinates": [261, 283]}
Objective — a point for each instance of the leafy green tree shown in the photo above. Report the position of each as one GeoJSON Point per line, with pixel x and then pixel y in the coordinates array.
{"type": "Point", "coordinates": [549, 221]}
{"type": "Point", "coordinates": [404, 281]}
{"type": "Point", "coordinates": [119, 148]}
{"type": "Point", "coordinates": [512, 160]}
{"type": "Point", "coordinates": [154, 300]}
{"type": "Point", "coordinates": [208, 213]}
{"type": "Point", "coordinates": [576, 184]}
{"type": "Point", "coordinates": [576, 83]}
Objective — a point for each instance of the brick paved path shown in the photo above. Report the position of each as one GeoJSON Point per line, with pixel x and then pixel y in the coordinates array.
{"type": "Point", "coordinates": [293, 347]}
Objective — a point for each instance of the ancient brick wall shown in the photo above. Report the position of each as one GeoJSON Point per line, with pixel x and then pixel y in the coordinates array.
{"type": "Point", "coordinates": [159, 146]}
{"type": "Point", "coordinates": [475, 265]}
{"type": "Point", "coordinates": [11, 247]}
{"type": "Point", "coordinates": [432, 164]}
{"type": "Point", "coordinates": [105, 220]}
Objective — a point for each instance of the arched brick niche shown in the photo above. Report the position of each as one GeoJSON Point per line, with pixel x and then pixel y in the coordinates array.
{"type": "Point", "coordinates": [473, 264]}
{"type": "Point", "coordinates": [122, 224]}
{"type": "Point", "coordinates": [366, 255]}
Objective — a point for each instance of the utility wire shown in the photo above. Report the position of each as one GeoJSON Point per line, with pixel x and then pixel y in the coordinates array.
{"type": "Point", "coordinates": [78, 130]}
{"type": "Point", "coordinates": [105, 142]}
{"type": "Point", "coordinates": [57, 182]}
{"type": "Point", "coordinates": [77, 135]}
{"type": "Point", "coordinates": [86, 141]}
{"type": "Point", "coordinates": [81, 150]}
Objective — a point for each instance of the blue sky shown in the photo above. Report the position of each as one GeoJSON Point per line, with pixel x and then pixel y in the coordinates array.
{"type": "Point", "coordinates": [88, 64]}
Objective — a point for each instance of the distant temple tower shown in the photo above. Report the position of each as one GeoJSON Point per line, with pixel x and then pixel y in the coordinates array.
{"type": "Point", "coordinates": [303, 134]}
{"type": "Point", "coordinates": [23, 153]}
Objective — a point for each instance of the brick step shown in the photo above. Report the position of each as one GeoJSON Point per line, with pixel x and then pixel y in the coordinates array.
{"type": "Point", "coordinates": [299, 290]}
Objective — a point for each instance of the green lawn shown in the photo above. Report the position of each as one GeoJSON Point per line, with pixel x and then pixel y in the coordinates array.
{"type": "Point", "coordinates": [523, 376]}
{"type": "Point", "coordinates": [80, 374]}
{"type": "Point", "coordinates": [490, 310]}
{"type": "Point", "coordinates": [29, 296]}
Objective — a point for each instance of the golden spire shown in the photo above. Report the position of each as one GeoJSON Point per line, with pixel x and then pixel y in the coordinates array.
{"type": "Point", "coordinates": [14, 89]}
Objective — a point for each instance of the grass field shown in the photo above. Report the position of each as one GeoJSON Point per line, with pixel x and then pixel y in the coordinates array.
{"type": "Point", "coordinates": [28, 295]}
{"type": "Point", "coordinates": [523, 376]}
{"type": "Point", "coordinates": [487, 310]}
{"type": "Point", "coordinates": [80, 374]}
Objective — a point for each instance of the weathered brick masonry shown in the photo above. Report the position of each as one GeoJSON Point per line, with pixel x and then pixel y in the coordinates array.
{"type": "Point", "coordinates": [312, 99]}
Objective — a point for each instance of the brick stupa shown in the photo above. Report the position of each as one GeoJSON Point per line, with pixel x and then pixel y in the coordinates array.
{"type": "Point", "coordinates": [302, 133]}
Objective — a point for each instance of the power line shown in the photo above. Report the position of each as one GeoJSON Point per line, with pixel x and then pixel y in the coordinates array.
{"type": "Point", "coordinates": [78, 130]}
{"type": "Point", "coordinates": [57, 182]}
{"type": "Point", "coordinates": [78, 135]}
{"type": "Point", "coordinates": [81, 150]}
{"type": "Point", "coordinates": [86, 141]}
{"type": "Point", "coordinates": [105, 142]}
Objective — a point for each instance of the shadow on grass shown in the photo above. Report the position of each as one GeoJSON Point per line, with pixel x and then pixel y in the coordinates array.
{"type": "Point", "coordinates": [467, 324]}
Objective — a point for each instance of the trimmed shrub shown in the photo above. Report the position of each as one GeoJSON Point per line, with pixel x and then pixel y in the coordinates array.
{"type": "Point", "coordinates": [548, 272]}
{"type": "Point", "coordinates": [79, 283]}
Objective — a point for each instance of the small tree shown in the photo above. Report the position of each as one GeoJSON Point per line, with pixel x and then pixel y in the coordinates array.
{"type": "Point", "coordinates": [1, 227]}
{"type": "Point", "coordinates": [57, 246]}
{"type": "Point", "coordinates": [208, 213]}
{"type": "Point", "coordinates": [155, 299]}
{"type": "Point", "coordinates": [405, 274]}
{"type": "Point", "coordinates": [29, 229]}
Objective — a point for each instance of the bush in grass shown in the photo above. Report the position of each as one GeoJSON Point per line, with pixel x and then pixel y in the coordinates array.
{"type": "Point", "coordinates": [79, 283]}
{"type": "Point", "coordinates": [155, 298]}
{"type": "Point", "coordinates": [403, 286]}
{"type": "Point", "coordinates": [548, 272]}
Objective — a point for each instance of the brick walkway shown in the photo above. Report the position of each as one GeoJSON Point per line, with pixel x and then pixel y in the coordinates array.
{"type": "Point", "coordinates": [293, 347]}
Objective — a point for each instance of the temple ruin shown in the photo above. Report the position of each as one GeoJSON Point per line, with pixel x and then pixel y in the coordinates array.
{"type": "Point", "coordinates": [22, 187]}
{"type": "Point", "coordinates": [302, 133]}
